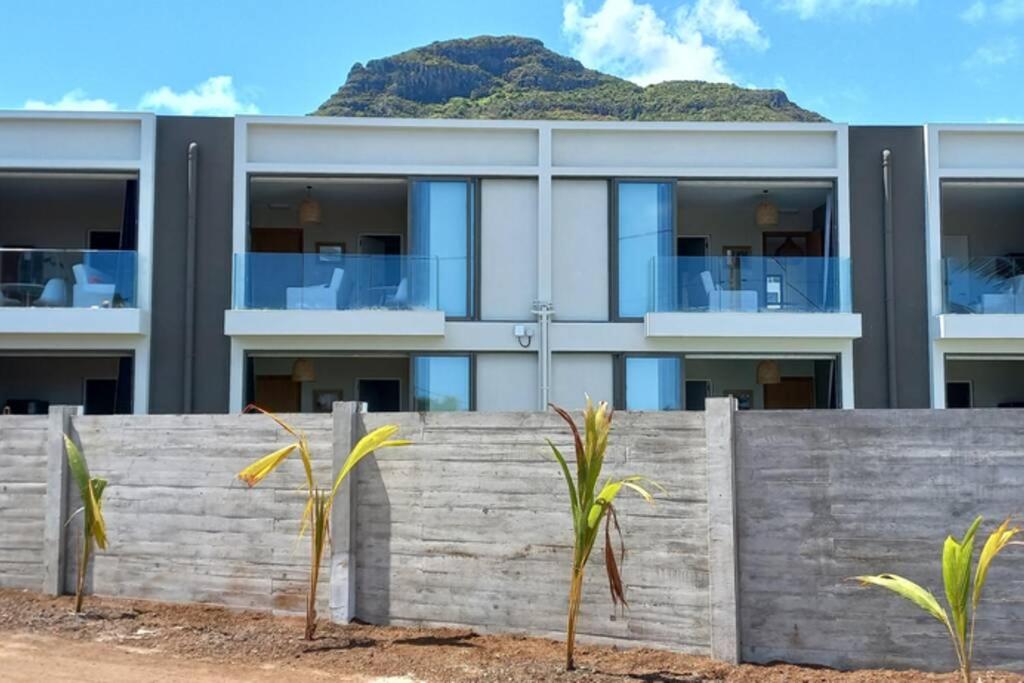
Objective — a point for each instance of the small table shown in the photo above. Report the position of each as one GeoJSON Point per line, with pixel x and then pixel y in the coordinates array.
{"type": "Point", "coordinates": [25, 292]}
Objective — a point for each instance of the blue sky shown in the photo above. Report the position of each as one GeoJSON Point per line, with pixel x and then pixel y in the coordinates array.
{"type": "Point", "coordinates": [860, 61]}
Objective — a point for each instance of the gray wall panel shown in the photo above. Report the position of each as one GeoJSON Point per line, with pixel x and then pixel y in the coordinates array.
{"type": "Point", "coordinates": [213, 263]}
{"type": "Point", "coordinates": [866, 213]}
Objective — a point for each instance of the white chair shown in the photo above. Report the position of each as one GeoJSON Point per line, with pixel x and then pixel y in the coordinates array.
{"type": "Point", "coordinates": [316, 297]}
{"type": "Point", "coordinates": [743, 300]}
{"type": "Point", "coordinates": [55, 294]}
{"type": "Point", "coordinates": [92, 289]}
{"type": "Point", "coordinates": [1010, 300]}
{"type": "Point", "coordinates": [400, 299]}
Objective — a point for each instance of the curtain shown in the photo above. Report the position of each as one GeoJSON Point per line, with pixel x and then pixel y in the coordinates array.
{"type": "Point", "coordinates": [420, 274]}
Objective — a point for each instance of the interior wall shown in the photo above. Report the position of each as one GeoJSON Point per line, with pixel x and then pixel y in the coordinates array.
{"type": "Point", "coordinates": [506, 381]}
{"type": "Point", "coordinates": [508, 249]}
{"type": "Point", "coordinates": [54, 213]}
{"type": "Point", "coordinates": [340, 373]}
{"type": "Point", "coordinates": [733, 225]}
{"type": "Point", "coordinates": [574, 375]}
{"type": "Point", "coordinates": [741, 374]}
{"type": "Point", "coordinates": [579, 249]}
{"type": "Point", "coordinates": [991, 230]}
{"type": "Point", "coordinates": [341, 221]}
{"type": "Point", "coordinates": [993, 381]}
{"type": "Point", "coordinates": [57, 379]}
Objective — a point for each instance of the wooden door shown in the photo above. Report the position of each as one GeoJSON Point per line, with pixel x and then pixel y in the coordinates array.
{"type": "Point", "coordinates": [792, 393]}
{"type": "Point", "coordinates": [278, 393]}
{"type": "Point", "coordinates": [276, 240]}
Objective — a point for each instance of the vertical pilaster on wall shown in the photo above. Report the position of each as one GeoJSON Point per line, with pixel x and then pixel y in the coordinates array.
{"type": "Point", "coordinates": [57, 495]}
{"type": "Point", "coordinates": [722, 551]}
{"type": "Point", "coordinates": [348, 429]}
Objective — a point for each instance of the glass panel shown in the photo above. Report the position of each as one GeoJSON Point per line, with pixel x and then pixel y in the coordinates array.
{"type": "Point", "coordinates": [334, 282]}
{"type": "Point", "coordinates": [984, 285]}
{"type": "Point", "coordinates": [442, 229]}
{"type": "Point", "coordinates": [748, 284]}
{"type": "Point", "coordinates": [441, 383]}
{"type": "Point", "coordinates": [653, 383]}
{"type": "Point", "coordinates": [645, 232]}
{"type": "Point", "coordinates": [67, 278]}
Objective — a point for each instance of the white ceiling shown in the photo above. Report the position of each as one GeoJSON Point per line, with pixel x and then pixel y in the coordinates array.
{"type": "Point", "coordinates": [291, 191]}
{"type": "Point", "coordinates": [787, 195]}
{"type": "Point", "coordinates": [998, 195]}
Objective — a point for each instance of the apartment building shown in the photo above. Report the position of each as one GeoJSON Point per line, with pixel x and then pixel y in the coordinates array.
{"type": "Point", "coordinates": [492, 265]}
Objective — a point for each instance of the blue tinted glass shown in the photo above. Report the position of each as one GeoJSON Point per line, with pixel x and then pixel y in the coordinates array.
{"type": "Point", "coordinates": [653, 384]}
{"type": "Point", "coordinates": [645, 232]}
{"type": "Point", "coordinates": [442, 383]}
{"type": "Point", "coordinates": [441, 231]}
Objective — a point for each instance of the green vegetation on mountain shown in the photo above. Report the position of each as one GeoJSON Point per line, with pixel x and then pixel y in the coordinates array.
{"type": "Point", "coordinates": [509, 77]}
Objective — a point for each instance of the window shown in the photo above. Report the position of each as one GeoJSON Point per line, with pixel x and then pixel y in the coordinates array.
{"type": "Point", "coordinates": [442, 231]}
{"type": "Point", "coordinates": [441, 383]}
{"type": "Point", "coordinates": [653, 383]}
{"type": "Point", "coordinates": [645, 233]}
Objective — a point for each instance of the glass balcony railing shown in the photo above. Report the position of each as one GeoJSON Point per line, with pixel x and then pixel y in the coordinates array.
{"type": "Point", "coordinates": [67, 278]}
{"type": "Point", "coordinates": [748, 284]}
{"type": "Point", "coordinates": [984, 285]}
{"type": "Point", "coordinates": [345, 282]}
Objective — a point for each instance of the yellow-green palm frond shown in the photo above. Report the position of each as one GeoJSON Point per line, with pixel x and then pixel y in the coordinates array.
{"type": "Point", "coordinates": [610, 490]}
{"type": "Point", "coordinates": [258, 471]}
{"type": "Point", "coordinates": [998, 540]}
{"type": "Point", "coordinates": [956, 575]}
{"type": "Point", "coordinates": [377, 439]}
{"type": "Point", "coordinates": [90, 491]}
{"type": "Point", "coordinates": [908, 590]}
{"type": "Point", "coordinates": [252, 407]}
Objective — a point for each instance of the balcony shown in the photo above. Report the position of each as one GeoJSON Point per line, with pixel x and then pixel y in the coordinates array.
{"type": "Point", "coordinates": [983, 298]}
{"type": "Point", "coordinates": [767, 296]}
{"type": "Point", "coordinates": [75, 291]}
{"type": "Point", "coordinates": [339, 294]}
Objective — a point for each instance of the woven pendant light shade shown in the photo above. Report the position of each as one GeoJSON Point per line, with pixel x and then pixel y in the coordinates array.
{"type": "Point", "coordinates": [309, 209]}
{"type": "Point", "coordinates": [767, 215]}
{"type": "Point", "coordinates": [303, 370]}
{"type": "Point", "coordinates": [768, 372]}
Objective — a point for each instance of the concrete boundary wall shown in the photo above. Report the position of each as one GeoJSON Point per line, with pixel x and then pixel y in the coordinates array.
{"type": "Point", "coordinates": [747, 557]}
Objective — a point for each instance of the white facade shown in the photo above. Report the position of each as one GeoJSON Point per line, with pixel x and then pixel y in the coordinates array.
{"type": "Point", "coordinates": [58, 144]}
{"type": "Point", "coordinates": [975, 156]}
{"type": "Point", "coordinates": [543, 227]}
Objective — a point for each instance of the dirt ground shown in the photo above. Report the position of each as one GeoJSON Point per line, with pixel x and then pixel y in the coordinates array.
{"type": "Point", "coordinates": [129, 640]}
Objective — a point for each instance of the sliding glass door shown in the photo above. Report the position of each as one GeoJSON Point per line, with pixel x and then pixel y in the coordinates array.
{"type": "Point", "coordinates": [644, 245]}
{"type": "Point", "coordinates": [442, 383]}
{"type": "Point", "coordinates": [441, 229]}
{"type": "Point", "coordinates": [654, 382]}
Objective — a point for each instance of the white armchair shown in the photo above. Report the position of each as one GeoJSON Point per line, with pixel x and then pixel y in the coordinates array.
{"type": "Point", "coordinates": [400, 299]}
{"type": "Point", "coordinates": [55, 294]}
{"type": "Point", "coordinates": [737, 300]}
{"type": "Point", "coordinates": [316, 297]}
{"type": "Point", "coordinates": [92, 288]}
{"type": "Point", "coordinates": [1010, 300]}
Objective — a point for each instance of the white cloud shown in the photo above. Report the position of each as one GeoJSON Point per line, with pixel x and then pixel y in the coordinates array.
{"type": "Point", "coordinates": [73, 100]}
{"type": "Point", "coordinates": [215, 96]}
{"type": "Point", "coordinates": [1001, 10]}
{"type": "Point", "coordinates": [1006, 119]}
{"type": "Point", "coordinates": [993, 55]}
{"type": "Point", "coordinates": [807, 9]}
{"type": "Point", "coordinates": [629, 39]}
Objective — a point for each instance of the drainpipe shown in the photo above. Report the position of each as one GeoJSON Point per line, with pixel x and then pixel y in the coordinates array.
{"type": "Point", "coordinates": [543, 310]}
{"type": "Point", "coordinates": [890, 281]}
{"type": "Point", "coordinates": [190, 277]}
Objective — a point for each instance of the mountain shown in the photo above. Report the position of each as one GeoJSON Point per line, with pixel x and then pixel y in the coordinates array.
{"type": "Point", "coordinates": [509, 77]}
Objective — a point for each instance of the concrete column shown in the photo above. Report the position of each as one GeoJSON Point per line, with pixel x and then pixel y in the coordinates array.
{"type": "Point", "coordinates": [57, 499]}
{"type": "Point", "coordinates": [348, 429]}
{"type": "Point", "coordinates": [723, 587]}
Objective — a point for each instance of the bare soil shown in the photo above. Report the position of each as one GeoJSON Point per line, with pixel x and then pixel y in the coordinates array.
{"type": "Point", "coordinates": [122, 640]}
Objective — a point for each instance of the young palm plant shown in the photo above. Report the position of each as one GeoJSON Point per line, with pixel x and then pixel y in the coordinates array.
{"type": "Point", "coordinates": [317, 515]}
{"type": "Point", "coordinates": [589, 508]}
{"type": "Point", "coordinates": [94, 529]}
{"type": "Point", "coordinates": [957, 557]}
